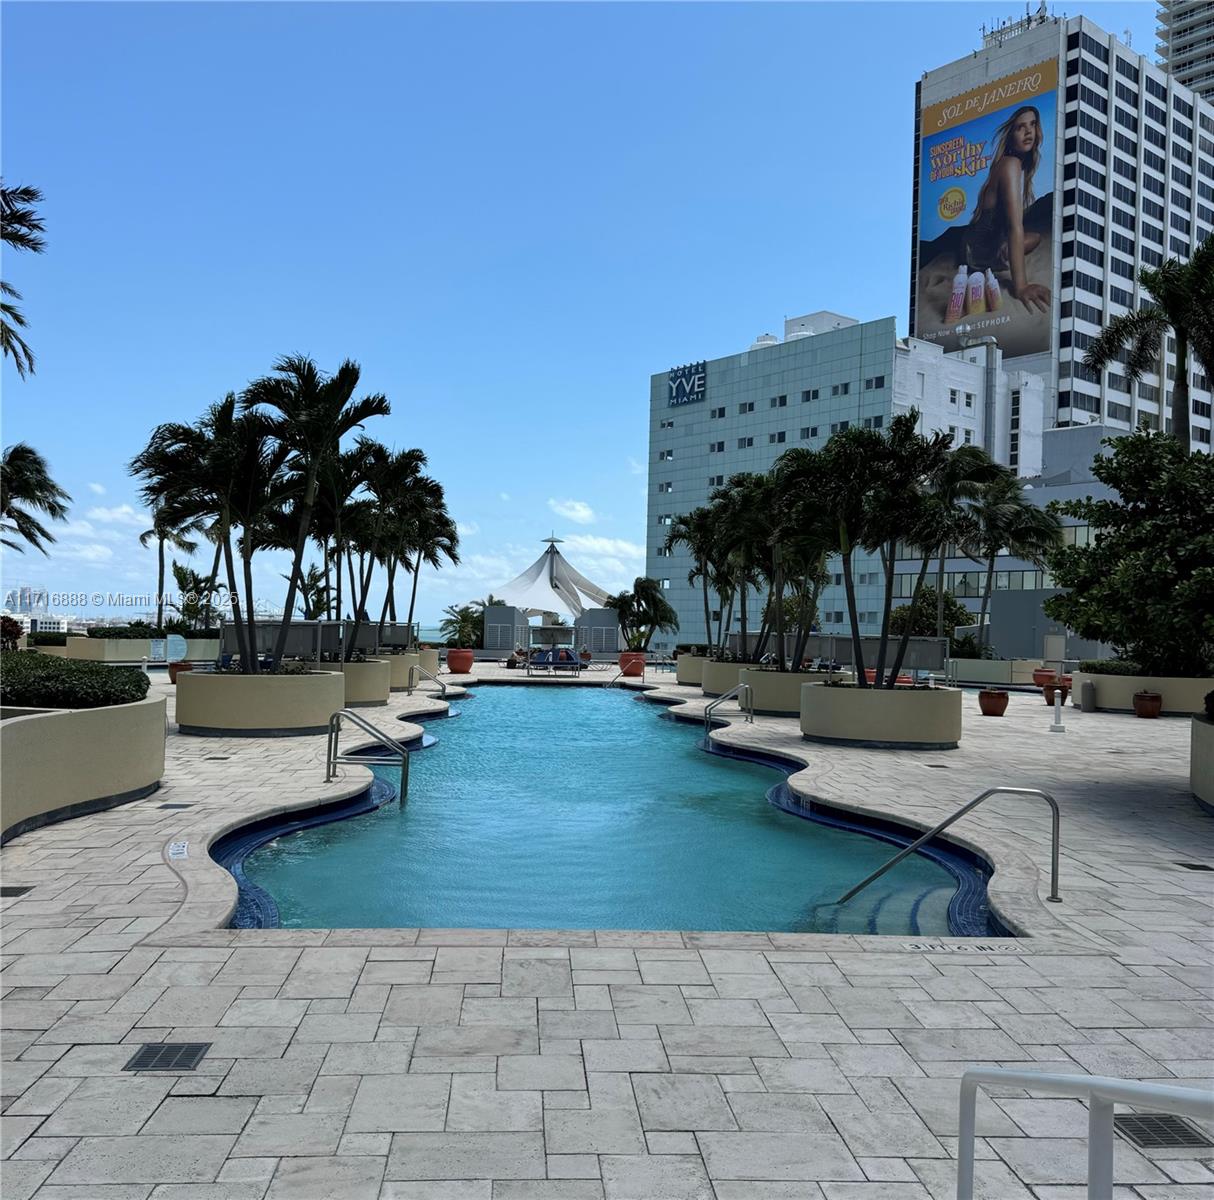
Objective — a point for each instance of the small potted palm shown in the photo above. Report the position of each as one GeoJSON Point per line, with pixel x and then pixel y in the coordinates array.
{"type": "Point", "coordinates": [461, 628]}
{"type": "Point", "coordinates": [642, 612]}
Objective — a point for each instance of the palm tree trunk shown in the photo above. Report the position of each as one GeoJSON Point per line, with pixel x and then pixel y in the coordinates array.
{"type": "Point", "coordinates": [724, 625]}
{"type": "Point", "coordinates": [887, 563]}
{"type": "Point", "coordinates": [301, 544]}
{"type": "Point", "coordinates": [326, 558]}
{"type": "Point", "coordinates": [853, 617]}
{"type": "Point", "coordinates": [417, 570]}
{"type": "Point", "coordinates": [1181, 419]}
{"type": "Point", "coordinates": [246, 557]}
{"type": "Point", "coordinates": [242, 643]}
{"type": "Point", "coordinates": [778, 591]}
{"type": "Point", "coordinates": [940, 594]}
{"type": "Point", "coordinates": [160, 583]}
{"type": "Point", "coordinates": [383, 612]}
{"type": "Point", "coordinates": [904, 642]}
{"type": "Point", "coordinates": [743, 642]}
{"type": "Point", "coordinates": [707, 608]}
{"type": "Point", "coordinates": [986, 599]}
{"type": "Point", "coordinates": [212, 579]}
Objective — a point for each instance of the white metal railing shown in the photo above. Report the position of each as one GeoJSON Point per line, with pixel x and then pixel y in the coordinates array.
{"type": "Point", "coordinates": [420, 670]}
{"type": "Point", "coordinates": [738, 691]}
{"type": "Point", "coordinates": [931, 833]}
{"type": "Point", "coordinates": [1101, 1093]}
{"type": "Point", "coordinates": [398, 752]}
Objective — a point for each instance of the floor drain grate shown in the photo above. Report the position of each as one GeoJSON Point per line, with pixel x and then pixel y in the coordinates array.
{"type": "Point", "coordinates": [1195, 866]}
{"type": "Point", "coordinates": [15, 891]}
{"type": "Point", "coordinates": [175, 806]}
{"type": "Point", "coordinates": [1156, 1131]}
{"type": "Point", "coordinates": [168, 1056]}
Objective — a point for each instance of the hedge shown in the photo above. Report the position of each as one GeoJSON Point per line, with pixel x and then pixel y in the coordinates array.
{"type": "Point", "coordinates": [124, 633]}
{"type": "Point", "coordinates": [43, 681]}
{"type": "Point", "coordinates": [48, 639]}
{"type": "Point", "coordinates": [1110, 666]}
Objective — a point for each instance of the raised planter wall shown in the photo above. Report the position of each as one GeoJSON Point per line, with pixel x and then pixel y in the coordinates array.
{"type": "Point", "coordinates": [905, 718]}
{"type": "Point", "coordinates": [217, 705]}
{"type": "Point", "coordinates": [62, 763]}
{"type": "Point", "coordinates": [718, 677]}
{"type": "Point", "coordinates": [398, 666]}
{"type": "Point", "coordinates": [109, 649]}
{"type": "Point", "coordinates": [1201, 762]}
{"type": "Point", "coordinates": [366, 683]}
{"type": "Point", "coordinates": [994, 670]}
{"type": "Point", "coordinates": [428, 660]}
{"type": "Point", "coordinates": [1116, 692]}
{"type": "Point", "coordinates": [53, 651]}
{"type": "Point", "coordinates": [689, 669]}
{"type": "Point", "coordinates": [778, 693]}
{"type": "Point", "coordinates": [201, 649]}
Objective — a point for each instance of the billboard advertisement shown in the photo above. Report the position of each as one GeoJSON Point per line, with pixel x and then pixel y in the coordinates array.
{"type": "Point", "coordinates": [986, 213]}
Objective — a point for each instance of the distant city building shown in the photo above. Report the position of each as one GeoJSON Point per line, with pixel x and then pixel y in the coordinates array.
{"type": "Point", "coordinates": [713, 418]}
{"type": "Point", "coordinates": [1186, 43]}
{"type": "Point", "coordinates": [1051, 165]}
{"type": "Point", "coordinates": [26, 599]}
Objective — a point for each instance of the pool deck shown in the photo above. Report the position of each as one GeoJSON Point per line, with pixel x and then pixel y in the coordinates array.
{"type": "Point", "coordinates": [431, 1064]}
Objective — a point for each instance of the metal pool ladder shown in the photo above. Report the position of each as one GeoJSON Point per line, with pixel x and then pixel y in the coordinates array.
{"type": "Point", "coordinates": [742, 689]}
{"type": "Point", "coordinates": [442, 687]}
{"type": "Point", "coordinates": [396, 753]}
{"type": "Point", "coordinates": [931, 833]}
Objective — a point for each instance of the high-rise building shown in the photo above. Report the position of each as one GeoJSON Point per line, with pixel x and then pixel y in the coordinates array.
{"type": "Point", "coordinates": [1058, 162]}
{"type": "Point", "coordinates": [711, 419]}
{"type": "Point", "coordinates": [1186, 43]}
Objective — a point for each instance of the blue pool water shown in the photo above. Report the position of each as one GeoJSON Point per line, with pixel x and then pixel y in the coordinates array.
{"type": "Point", "coordinates": [581, 808]}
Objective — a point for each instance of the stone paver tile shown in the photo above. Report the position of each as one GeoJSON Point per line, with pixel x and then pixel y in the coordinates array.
{"type": "Point", "coordinates": [548, 1189]}
{"type": "Point", "coordinates": [726, 1012]}
{"type": "Point", "coordinates": [765, 986]}
{"type": "Point", "coordinates": [332, 1093]}
{"type": "Point", "coordinates": [271, 1077]}
{"type": "Point", "coordinates": [682, 1102]}
{"type": "Point", "coordinates": [289, 1134]}
{"type": "Point", "coordinates": [201, 1114]}
{"type": "Point", "coordinates": [42, 1098]}
{"type": "Point", "coordinates": [21, 1179]}
{"type": "Point", "coordinates": [721, 1039]}
{"type": "Point", "coordinates": [451, 1156]}
{"type": "Point", "coordinates": [877, 1060]}
{"type": "Point", "coordinates": [424, 1004]}
{"type": "Point", "coordinates": [818, 1075]}
{"type": "Point", "coordinates": [775, 1112]}
{"type": "Point", "coordinates": [344, 1177]}
{"type": "Point", "coordinates": [368, 1058]}
{"type": "Point", "coordinates": [677, 971]}
{"type": "Point", "coordinates": [235, 1041]}
{"type": "Point", "coordinates": [337, 1027]}
{"type": "Point", "coordinates": [536, 976]}
{"type": "Point", "coordinates": [1065, 1160]}
{"type": "Point", "coordinates": [577, 1024]}
{"type": "Point", "coordinates": [144, 1159]}
{"type": "Point", "coordinates": [498, 1010]}
{"type": "Point", "coordinates": [630, 1054]}
{"type": "Point", "coordinates": [638, 1005]}
{"type": "Point", "coordinates": [875, 1191]}
{"type": "Point", "coordinates": [89, 1029]}
{"type": "Point", "coordinates": [445, 1189]}
{"type": "Point", "coordinates": [395, 971]}
{"type": "Point", "coordinates": [468, 964]}
{"type": "Point", "coordinates": [573, 1166]}
{"type": "Point", "coordinates": [250, 967]}
{"type": "Point", "coordinates": [265, 1012]}
{"type": "Point", "coordinates": [644, 1177]}
{"type": "Point", "coordinates": [875, 1133]}
{"type": "Point", "coordinates": [992, 1179]}
{"type": "Point", "coordinates": [971, 1045]}
{"type": "Point", "coordinates": [190, 1006]}
{"type": "Point", "coordinates": [109, 1105]}
{"type": "Point", "coordinates": [476, 1039]}
{"type": "Point", "coordinates": [777, 1156]}
{"type": "Point", "coordinates": [541, 1072]}
{"type": "Point", "coordinates": [937, 1101]}
{"type": "Point", "coordinates": [611, 1126]}
{"type": "Point", "coordinates": [399, 1103]}
{"type": "Point", "coordinates": [672, 1143]}
{"type": "Point", "coordinates": [1047, 1118]}
{"type": "Point", "coordinates": [756, 1190]}
{"type": "Point", "coordinates": [477, 1105]}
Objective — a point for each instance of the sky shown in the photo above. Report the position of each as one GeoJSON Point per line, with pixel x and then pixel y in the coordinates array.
{"type": "Point", "coordinates": [510, 215]}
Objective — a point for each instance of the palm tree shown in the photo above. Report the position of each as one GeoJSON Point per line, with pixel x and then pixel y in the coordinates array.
{"type": "Point", "coordinates": [431, 536]}
{"type": "Point", "coordinates": [695, 530]}
{"type": "Point", "coordinates": [744, 519]}
{"type": "Point", "coordinates": [1005, 521]}
{"type": "Point", "coordinates": [21, 228]}
{"type": "Point", "coordinates": [193, 604]}
{"type": "Point", "coordinates": [175, 535]}
{"type": "Point", "coordinates": [312, 413]}
{"type": "Point", "coordinates": [459, 625]}
{"type": "Point", "coordinates": [25, 485]}
{"type": "Point", "coordinates": [313, 593]}
{"type": "Point", "coordinates": [643, 612]}
{"type": "Point", "coordinates": [1183, 301]}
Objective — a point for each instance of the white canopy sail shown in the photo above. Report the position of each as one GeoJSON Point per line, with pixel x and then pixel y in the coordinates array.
{"type": "Point", "coordinates": [550, 584]}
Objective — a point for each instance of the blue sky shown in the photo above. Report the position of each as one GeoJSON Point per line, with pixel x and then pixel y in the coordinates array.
{"type": "Point", "coordinates": [510, 215]}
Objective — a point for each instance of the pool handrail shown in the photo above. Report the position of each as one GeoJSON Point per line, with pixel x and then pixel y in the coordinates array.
{"type": "Point", "coordinates": [1053, 897]}
{"type": "Point", "coordinates": [398, 751]}
{"type": "Point", "coordinates": [738, 690]}
{"type": "Point", "coordinates": [442, 686]}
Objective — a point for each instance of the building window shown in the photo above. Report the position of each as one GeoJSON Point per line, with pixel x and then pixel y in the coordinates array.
{"type": "Point", "coordinates": [667, 486]}
{"type": "Point", "coordinates": [808, 431]}
{"type": "Point", "coordinates": [840, 389]}
{"type": "Point", "coordinates": [874, 422]}
{"type": "Point", "coordinates": [716, 447]}
{"type": "Point", "coordinates": [748, 407]}
{"type": "Point", "coordinates": [668, 424]}
{"type": "Point", "coordinates": [716, 413]}
{"type": "Point", "coordinates": [873, 384]}
{"type": "Point", "coordinates": [665, 455]}
{"type": "Point", "coordinates": [774, 438]}
{"type": "Point", "coordinates": [953, 394]}
{"type": "Point", "coordinates": [779, 402]}
{"type": "Point", "coordinates": [664, 584]}
{"type": "Point", "coordinates": [840, 426]}
{"type": "Point", "coordinates": [665, 519]}
{"type": "Point", "coordinates": [716, 481]}
{"type": "Point", "coordinates": [969, 399]}
{"type": "Point", "coordinates": [969, 437]}
{"type": "Point", "coordinates": [808, 395]}
{"type": "Point", "coordinates": [745, 443]}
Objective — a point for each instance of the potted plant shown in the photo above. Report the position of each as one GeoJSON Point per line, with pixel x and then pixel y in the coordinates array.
{"type": "Point", "coordinates": [993, 701]}
{"type": "Point", "coordinates": [175, 669]}
{"type": "Point", "coordinates": [1056, 685]}
{"type": "Point", "coordinates": [1044, 675]}
{"type": "Point", "coordinates": [642, 613]}
{"type": "Point", "coordinates": [461, 627]}
{"type": "Point", "coordinates": [1147, 704]}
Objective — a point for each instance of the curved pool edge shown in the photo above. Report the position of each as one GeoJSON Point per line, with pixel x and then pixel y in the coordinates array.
{"type": "Point", "coordinates": [1013, 886]}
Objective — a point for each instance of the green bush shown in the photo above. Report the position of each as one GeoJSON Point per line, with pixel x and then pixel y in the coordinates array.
{"type": "Point", "coordinates": [41, 681]}
{"type": "Point", "coordinates": [125, 633]}
{"type": "Point", "coordinates": [48, 639]}
{"type": "Point", "coordinates": [1110, 666]}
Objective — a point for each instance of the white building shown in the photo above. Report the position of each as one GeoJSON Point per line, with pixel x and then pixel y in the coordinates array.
{"type": "Point", "coordinates": [716, 417]}
{"type": "Point", "coordinates": [1122, 178]}
{"type": "Point", "coordinates": [1186, 43]}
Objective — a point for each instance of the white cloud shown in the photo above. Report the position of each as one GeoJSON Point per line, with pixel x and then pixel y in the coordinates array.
{"type": "Point", "coordinates": [637, 468]}
{"type": "Point", "coordinates": [505, 496]}
{"type": "Point", "coordinates": [468, 528]}
{"type": "Point", "coordinates": [97, 489]}
{"type": "Point", "coordinates": [577, 511]}
{"type": "Point", "coordinates": [89, 552]}
{"type": "Point", "coordinates": [120, 514]}
{"type": "Point", "coordinates": [590, 543]}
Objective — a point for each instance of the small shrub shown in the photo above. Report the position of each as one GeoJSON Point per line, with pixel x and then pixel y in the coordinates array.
{"type": "Point", "coordinates": [41, 681]}
{"type": "Point", "coordinates": [1110, 666]}
{"type": "Point", "coordinates": [10, 633]}
{"type": "Point", "coordinates": [48, 639]}
{"type": "Point", "coordinates": [125, 633]}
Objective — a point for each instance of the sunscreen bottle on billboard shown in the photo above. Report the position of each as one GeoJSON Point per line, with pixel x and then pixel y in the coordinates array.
{"type": "Point", "coordinates": [976, 302]}
{"type": "Point", "coordinates": [956, 301]}
{"type": "Point", "coordinates": [994, 296]}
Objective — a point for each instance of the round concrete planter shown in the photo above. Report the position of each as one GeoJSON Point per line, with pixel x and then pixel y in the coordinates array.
{"type": "Point", "coordinates": [719, 677]}
{"type": "Point", "coordinates": [904, 719]}
{"type": "Point", "coordinates": [221, 705]}
{"type": "Point", "coordinates": [367, 683]}
{"type": "Point", "coordinates": [428, 661]}
{"type": "Point", "coordinates": [778, 693]}
{"type": "Point", "coordinates": [399, 665]}
{"type": "Point", "coordinates": [93, 649]}
{"type": "Point", "coordinates": [201, 649]}
{"type": "Point", "coordinates": [1116, 692]}
{"type": "Point", "coordinates": [62, 763]}
{"type": "Point", "coordinates": [1201, 762]}
{"type": "Point", "coordinates": [689, 669]}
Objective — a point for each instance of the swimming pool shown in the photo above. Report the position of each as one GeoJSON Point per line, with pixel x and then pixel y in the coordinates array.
{"type": "Point", "coordinates": [579, 808]}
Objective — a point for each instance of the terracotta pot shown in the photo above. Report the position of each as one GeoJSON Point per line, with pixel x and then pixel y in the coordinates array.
{"type": "Point", "coordinates": [1147, 704]}
{"type": "Point", "coordinates": [992, 703]}
{"type": "Point", "coordinates": [632, 663]}
{"type": "Point", "coordinates": [1049, 690]}
{"type": "Point", "coordinates": [459, 662]}
{"type": "Point", "coordinates": [176, 668]}
{"type": "Point", "coordinates": [1044, 675]}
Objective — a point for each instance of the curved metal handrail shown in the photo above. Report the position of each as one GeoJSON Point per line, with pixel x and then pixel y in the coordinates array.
{"type": "Point", "coordinates": [333, 755]}
{"type": "Point", "coordinates": [442, 687]}
{"type": "Point", "coordinates": [738, 690]}
{"type": "Point", "coordinates": [931, 833]}
{"type": "Point", "coordinates": [1102, 1094]}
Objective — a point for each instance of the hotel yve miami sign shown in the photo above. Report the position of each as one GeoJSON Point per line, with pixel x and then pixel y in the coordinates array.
{"type": "Point", "coordinates": [688, 383]}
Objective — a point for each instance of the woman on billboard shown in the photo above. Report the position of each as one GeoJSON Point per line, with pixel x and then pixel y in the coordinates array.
{"type": "Point", "coordinates": [996, 237]}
